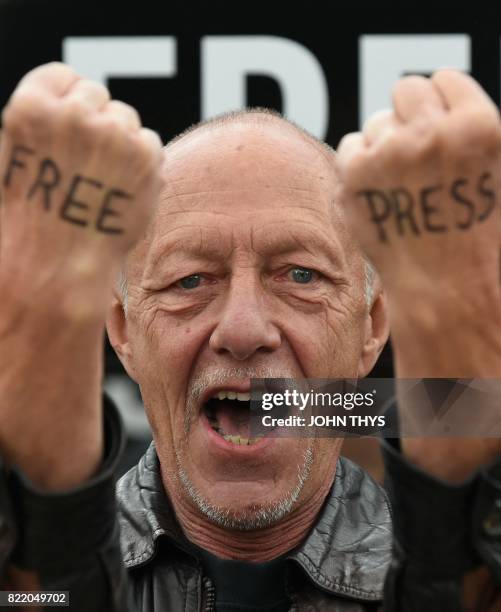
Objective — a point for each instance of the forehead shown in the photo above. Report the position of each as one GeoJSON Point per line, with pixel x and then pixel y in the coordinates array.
{"type": "Point", "coordinates": [248, 156]}
{"type": "Point", "coordinates": [264, 185]}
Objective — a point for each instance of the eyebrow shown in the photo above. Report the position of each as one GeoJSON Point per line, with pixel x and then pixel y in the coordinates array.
{"type": "Point", "coordinates": [203, 244]}
{"type": "Point", "coordinates": [299, 240]}
{"type": "Point", "coordinates": [206, 246]}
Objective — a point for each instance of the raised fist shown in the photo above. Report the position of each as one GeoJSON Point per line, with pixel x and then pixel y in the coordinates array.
{"type": "Point", "coordinates": [421, 185]}
{"type": "Point", "coordinates": [78, 177]}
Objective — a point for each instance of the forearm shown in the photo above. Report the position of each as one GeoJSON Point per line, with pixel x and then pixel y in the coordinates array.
{"type": "Point", "coordinates": [50, 376]}
{"type": "Point", "coordinates": [434, 339]}
{"type": "Point", "coordinates": [436, 155]}
{"type": "Point", "coordinates": [446, 553]}
{"type": "Point", "coordinates": [436, 336]}
{"type": "Point", "coordinates": [7, 527]}
{"type": "Point", "coordinates": [69, 541]}
{"type": "Point", "coordinates": [78, 179]}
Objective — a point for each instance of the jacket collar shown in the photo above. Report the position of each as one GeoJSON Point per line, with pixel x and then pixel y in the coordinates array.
{"type": "Point", "coordinates": [347, 552]}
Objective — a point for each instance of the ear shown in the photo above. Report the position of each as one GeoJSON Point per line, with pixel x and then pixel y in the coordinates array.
{"type": "Point", "coordinates": [117, 328]}
{"type": "Point", "coordinates": [377, 329]}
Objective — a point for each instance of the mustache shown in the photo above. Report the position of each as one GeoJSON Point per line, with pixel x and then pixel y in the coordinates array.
{"type": "Point", "coordinates": [210, 378]}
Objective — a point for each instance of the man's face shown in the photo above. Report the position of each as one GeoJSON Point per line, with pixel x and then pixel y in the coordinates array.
{"type": "Point", "coordinates": [247, 271]}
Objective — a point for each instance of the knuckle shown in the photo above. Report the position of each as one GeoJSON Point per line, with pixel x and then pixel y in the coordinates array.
{"type": "Point", "coordinates": [74, 109]}
{"type": "Point", "coordinates": [407, 83]}
{"type": "Point", "coordinates": [479, 118]}
{"type": "Point", "coordinates": [425, 138]}
{"type": "Point", "coordinates": [349, 144]}
{"type": "Point", "coordinates": [479, 128]}
{"type": "Point", "coordinates": [26, 109]}
{"type": "Point", "coordinates": [95, 86]}
{"type": "Point", "coordinates": [118, 105]}
{"type": "Point", "coordinates": [488, 123]}
{"type": "Point", "coordinates": [425, 125]}
{"type": "Point", "coordinates": [379, 128]}
{"type": "Point", "coordinates": [41, 76]}
{"type": "Point", "coordinates": [124, 114]}
{"type": "Point", "coordinates": [150, 142]}
{"type": "Point", "coordinates": [356, 167]}
{"type": "Point", "coordinates": [45, 69]}
{"type": "Point", "coordinates": [387, 141]}
{"type": "Point", "coordinates": [57, 67]}
{"type": "Point", "coordinates": [146, 158]}
{"type": "Point", "coordinates": [113, 129]}
{"type": "Point", "coordinates": [98, 90]}
{"type": "Point", "coordinates": [423, 150]}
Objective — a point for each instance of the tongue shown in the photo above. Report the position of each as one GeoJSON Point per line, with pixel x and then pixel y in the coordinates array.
{"type": "Point", "coordinates": [233, 417]}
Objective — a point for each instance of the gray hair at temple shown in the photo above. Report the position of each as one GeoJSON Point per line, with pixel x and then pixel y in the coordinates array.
{"type": "Point", "coordinates": [258, 116]}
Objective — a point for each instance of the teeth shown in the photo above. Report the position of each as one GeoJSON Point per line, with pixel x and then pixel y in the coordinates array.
{"type": "Point", "coordinates": [241, 441]}
{"type": "Point", "coordinates": [213, 421]}
{"type": "Point", "coordinates": [232, 395]}
{"type": "Point", "coordinates": [233, 439]}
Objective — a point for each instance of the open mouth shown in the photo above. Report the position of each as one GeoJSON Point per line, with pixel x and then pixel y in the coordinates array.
{"type": "Point", "coordinates": [228, 413]}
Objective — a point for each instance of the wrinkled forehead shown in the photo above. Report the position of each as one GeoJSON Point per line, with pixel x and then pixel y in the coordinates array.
{"type": "Point", "coordinates": [265, 177]}
{"type": "Point", "coordinates": [248, 156]}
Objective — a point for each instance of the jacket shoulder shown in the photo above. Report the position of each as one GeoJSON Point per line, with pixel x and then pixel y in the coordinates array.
{"type": "Point", "coordinates": [349, 549]}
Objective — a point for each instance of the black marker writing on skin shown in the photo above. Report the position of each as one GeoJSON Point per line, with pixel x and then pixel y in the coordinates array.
{"type": "Point", "coordinates": [460, 198]}
{"type": "Point", "coordinates": [404, 210]}
{"type": "Point", "coordinates": [429, 210]}
{"type": "Point", "coordinates": [15, 162]}
{"type": "Point", "coordinates": [398, 206]}
{"type": "Point", "coordinates": [73, 208]}
{"type": "Point", "coordinates": [71, 201]}
{"type": "Point", "coordinates": [48, 178]}
{"type": "Point", "coordinates": [380, 209]}
{"type": "Point", "coordinates": [106, 211]}
{"type": "Point", "coordinates": [489, 194]}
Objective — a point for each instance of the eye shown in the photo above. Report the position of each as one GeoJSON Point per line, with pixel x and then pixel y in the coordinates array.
{"type": "Point", "coordinates": [301, 275]}
{"type": "Point", "coordinates": [190, 282]}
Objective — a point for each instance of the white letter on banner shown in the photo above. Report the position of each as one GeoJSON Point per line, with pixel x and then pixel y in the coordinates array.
{"type": "Point", "coordinates": [227, 60]}
{"type": "Point", "coordinates": [101, 57]}
{"type": "Point", "coordinates": [384, 58]}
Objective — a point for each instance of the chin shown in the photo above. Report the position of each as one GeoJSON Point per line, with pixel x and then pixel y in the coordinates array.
{"type": "Point", "coordinates": [235, 506]}
{"type": "Point", "coordinates": [244, 517]}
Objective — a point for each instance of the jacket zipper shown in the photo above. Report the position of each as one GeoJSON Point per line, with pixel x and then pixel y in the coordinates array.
{"type": "Point", "coordinates": [209, 596]}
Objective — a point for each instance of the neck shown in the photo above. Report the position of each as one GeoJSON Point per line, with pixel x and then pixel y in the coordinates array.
{"type": "Point", "coordinates": [257, 545]}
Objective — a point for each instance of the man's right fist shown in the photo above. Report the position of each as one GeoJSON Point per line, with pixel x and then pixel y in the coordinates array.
{"type": "Point", "coordinates": [78, 178]}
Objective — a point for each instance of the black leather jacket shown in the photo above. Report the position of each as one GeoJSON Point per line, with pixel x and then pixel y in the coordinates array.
{"type": "Point", "coordinates": [136, 559]}
{"type": "Point", "coordinates": [341, 566]}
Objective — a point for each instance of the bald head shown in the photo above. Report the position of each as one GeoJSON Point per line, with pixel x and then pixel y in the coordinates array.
{"type": "Point", "coordinates": [257, 117]}
{"type": "Point", "coordinates": [256, 149]}
{"type": "Point", "coordinates": [260, 146]}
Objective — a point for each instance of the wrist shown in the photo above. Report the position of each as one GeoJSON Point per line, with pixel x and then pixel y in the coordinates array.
{"type": "Point", "coordinates": [50, 387]}
{"type": "Point", "coordinates": [76, 297]}
{"type": "Point", "coordinates": [452, 460]}
{"type": "Point", "coordinates": [453, 337]}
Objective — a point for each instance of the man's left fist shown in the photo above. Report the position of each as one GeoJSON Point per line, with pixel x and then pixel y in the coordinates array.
{"type": "Point", "coordinates": [421, 185]}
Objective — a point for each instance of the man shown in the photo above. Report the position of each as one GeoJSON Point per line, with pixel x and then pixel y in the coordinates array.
{"type": "Point", "coordinates": [247, 269]}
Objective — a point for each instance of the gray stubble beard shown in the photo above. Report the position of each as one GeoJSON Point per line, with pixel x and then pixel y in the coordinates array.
{"type": "Point", "coordinates": [253, 517]}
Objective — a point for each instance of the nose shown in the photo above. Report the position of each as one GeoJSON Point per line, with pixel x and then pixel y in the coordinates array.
{"type": "Point", "coordinates": [245, 326]}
